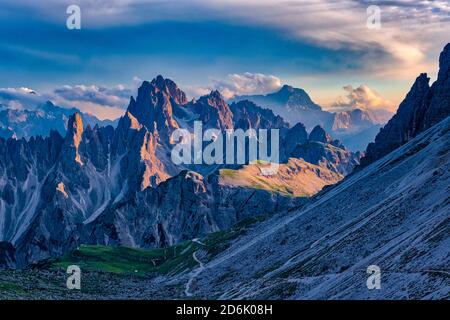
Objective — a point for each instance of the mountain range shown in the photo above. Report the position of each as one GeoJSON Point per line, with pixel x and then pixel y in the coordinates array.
{"type": "Point", "coordinates": [356, 127]}
{"type": "Point", "coordinates": [119, 186]}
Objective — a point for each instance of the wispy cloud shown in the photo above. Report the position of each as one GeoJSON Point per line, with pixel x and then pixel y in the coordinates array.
{"type": "Point", "coordinates": [113, 97]}
{"type": "Point", "coordinates": [237, 84]}
{"type": "Point", "coordinates": [408, 42]}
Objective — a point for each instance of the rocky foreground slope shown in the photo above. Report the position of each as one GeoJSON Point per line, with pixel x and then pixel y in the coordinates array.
{"type": "Point", "coordinates": [394, 213]}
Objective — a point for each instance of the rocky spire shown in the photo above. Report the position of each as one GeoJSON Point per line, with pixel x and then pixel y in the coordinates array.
{"type": "Point", "coordinates": [422, 108]}
{"type": "Point", "coordinates": [73, 137]}
{"type": "Point", "coordinates": [144, 133]}
{"type": "Point", "coordinates": [439, 99]}
{"type": "Point", "coordinates": [444, 64]}
{"type": "Point", "coordinates": [154, 103]}
{"type": "Point", "coordinates": [214, 111]}
{"type": "Point", "coordinates": [297, 135]}
{"type": "Point", "coordinates": [178, 96]}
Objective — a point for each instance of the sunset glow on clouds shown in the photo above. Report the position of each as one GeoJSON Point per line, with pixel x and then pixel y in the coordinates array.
{"type": "Point", "coordinates": [363, 98]}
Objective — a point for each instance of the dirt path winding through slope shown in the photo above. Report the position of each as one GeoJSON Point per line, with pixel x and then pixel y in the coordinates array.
{"type": "Point", "coordinates": [196, 272]}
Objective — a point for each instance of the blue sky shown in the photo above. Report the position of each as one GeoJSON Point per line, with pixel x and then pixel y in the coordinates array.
{"type": "Point", "coordinates": [239, 47]}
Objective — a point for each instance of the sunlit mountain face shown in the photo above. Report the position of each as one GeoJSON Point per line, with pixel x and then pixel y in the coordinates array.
{"type": "Point", "coordinates": [224, 149]}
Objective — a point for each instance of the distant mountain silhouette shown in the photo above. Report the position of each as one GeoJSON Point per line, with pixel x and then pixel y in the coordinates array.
{"type": "Point", "coordinates": [295, 105]}
{"type": "Point", "coordinates": [40, 120]}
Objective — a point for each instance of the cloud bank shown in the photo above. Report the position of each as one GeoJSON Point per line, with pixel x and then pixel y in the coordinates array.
{"type": "Point", "coordinates": [111, 101]}
{"type": "Point", "coordinates": [237, 84]}
{"type": "Point", "coordinates": [246, 84]}
{"type": "Point", "coordinates": [113, 97]}
{"type": "Point", "coordinates": [363, 98]}
{"type": "Point", "coordinates": [412, 32]}
{"type": "Point", "coordinates": [102, 101]}
{"type": "Point", "coordinates": [19, 98]}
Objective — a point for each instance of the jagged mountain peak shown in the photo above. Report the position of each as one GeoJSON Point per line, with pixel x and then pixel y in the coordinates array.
{"type": "Point", "coordinates": [246, 114]}
{"type": "Point", "coordinates": [421, 83]}
{"type": "Point", "coordinates": [293, 104]}
{"type": "Point", "coordinates": [297, 135]}
{"type": "Point", "coordinates": [287, 87]}
{"type": "Point", "coordinates": [215, 94]}
{"type": "Point", "coordinates": [291, 95]}
{"type": "Point", "coordinates": [170, 87]}
{"type": "Point", "coordinates": [444, 63]}
{"type": "Point", "coordinates": [163, 85]}
{"type": "Point", "coordinates": [289, 90]}
{"type": "Point", "coordinates": [213, 111]}
{"type": "Point", "coordinates": [75, 122]}
{"type": "Point", "coordinates": [48, 105]}
{"type": "Point", "coordinates": [159, 81]}
{"type": "Point", "coordinates": [299, 127]}
{"type": "Point", "coordinates": [319, 134]}
{"type": "Point", "coordinates": [213, 99]}
{"type": "Point", "coordinates": [74, 136]}
{"type": "Point", "coordinates": [153, 106]}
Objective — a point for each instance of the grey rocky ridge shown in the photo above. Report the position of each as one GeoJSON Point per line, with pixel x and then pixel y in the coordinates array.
{"type": "Point", "coordinates": [118, 186]}
{"type": "Point", "coordinates": [321, 148]}
{"type": "Point", "coordinates": [292, 104]}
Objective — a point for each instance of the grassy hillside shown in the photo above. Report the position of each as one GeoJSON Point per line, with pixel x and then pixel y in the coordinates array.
{"type": "Point", "coordinates": [119, 272]}
{"type": "Point", "coordinates": [174, 259]}
{"type": "Point", "coordinates": [297, 178]}
{"type": "Point", "coordinates": [123, 260]}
